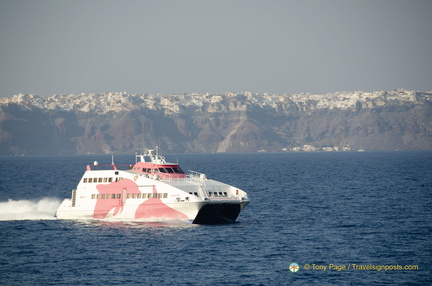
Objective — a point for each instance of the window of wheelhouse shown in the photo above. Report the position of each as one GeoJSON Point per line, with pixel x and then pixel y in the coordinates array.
{"type": "Point", "coordinates": [178, 170]}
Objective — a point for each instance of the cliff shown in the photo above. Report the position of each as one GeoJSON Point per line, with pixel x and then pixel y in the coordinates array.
{"type": "Point", "coordinates": [227, 122]}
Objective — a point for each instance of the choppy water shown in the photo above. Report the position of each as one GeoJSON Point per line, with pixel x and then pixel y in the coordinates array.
{"type": "Point", "coordinates": [309, 208]}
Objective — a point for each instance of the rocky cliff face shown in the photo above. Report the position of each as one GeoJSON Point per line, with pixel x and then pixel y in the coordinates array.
{"type": "Point", "coordinates": [245, 122]}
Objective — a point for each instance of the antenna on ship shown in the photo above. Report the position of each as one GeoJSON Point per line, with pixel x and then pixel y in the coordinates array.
{"type": "Point", "coordinates": [112, 159]}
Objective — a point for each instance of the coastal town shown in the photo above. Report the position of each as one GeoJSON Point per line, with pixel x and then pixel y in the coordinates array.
{"type": "Point", "coordinates": [102, 103]}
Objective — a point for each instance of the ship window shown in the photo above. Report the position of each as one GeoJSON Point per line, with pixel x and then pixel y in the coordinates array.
{"type": "Point", "coordinates": [155, 171]}
{"type": "Point", "coordinates": [129, 196]}
{"type": "Point", "coordinates": [113, 196]}
{"type": "Point", "coordinates": [155, 196]}
{"type": "Point", "coordinates": [196, 194]}
{"type": "Point", "coordinates": [90, 180]}
{"type": "Point", "coordinates": [165, 195]}
{"type": "Point", "coordinates": [110, 180]}
{"type": "Point", "coordinates": [116, 173]}
{"type": "Point", "coordinates": [225, 194]}
{"type": "Point", "coordinates": [149, 196]}
{"type": "Point", "coordinates": [85, 180]}
{"type": "Point", "coordinates": [103, 196]}
{"type": "Point", "coordinates": [94, 180]}
{"type": "Point", "coordinates": [93, 196]}
{"type": "Point", "coordinates": [133, 196]}
{"type": "Point", "coordinates": [210, 194]}
{"type": "Point", "coordinates": [160, 195]}
{"type": "Point", "coordinates": [162, 170]}
{"type": "Point", "coordinates": [178, 170]}
{"type": "Point", "coordinates": [100, 180]}
{"type": "Point", "coordinates": [139, 196]}
{"type": "Point", "coordinates": [170, 170]}
{"type": "Point", "coordinates": [118, 196]}
{"type": "Point", "coordinates": [105, 180]}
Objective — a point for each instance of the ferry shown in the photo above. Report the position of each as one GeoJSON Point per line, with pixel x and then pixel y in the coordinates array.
{"type": "Point", "coordinates": [152, 190]}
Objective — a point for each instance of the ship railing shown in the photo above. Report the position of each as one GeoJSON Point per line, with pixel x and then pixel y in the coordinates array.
{"type": "Point", "coordinates": [193, 177]}
{"type": "Point", "coordinates": [98, 167]}
{"type": "Point", "coordinates": [198, 179]}
{"type": "Point", "coordinates": [196, 176]}
{"type": "Point", "coordinates": [173, 177]}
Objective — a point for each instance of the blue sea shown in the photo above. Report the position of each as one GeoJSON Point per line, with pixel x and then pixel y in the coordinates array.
{"type": "Point", "coordinates": [354, 218]}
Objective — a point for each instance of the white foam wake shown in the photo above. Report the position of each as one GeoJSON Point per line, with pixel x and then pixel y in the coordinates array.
{"type": "Point", "coordinates": [42, 209]}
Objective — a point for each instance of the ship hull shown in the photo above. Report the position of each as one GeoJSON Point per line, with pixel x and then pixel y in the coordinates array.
{"type": "Point", "coordinates": [206, 212]}
{"type": "Point", "coordinates": [218, 213]}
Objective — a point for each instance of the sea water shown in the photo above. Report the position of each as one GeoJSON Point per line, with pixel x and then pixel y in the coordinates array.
{"type": "Point", "coordinates": [344, 218]}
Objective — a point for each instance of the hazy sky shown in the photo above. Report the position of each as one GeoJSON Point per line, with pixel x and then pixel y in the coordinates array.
{"type": "Point", "coordinates": [53, 47]}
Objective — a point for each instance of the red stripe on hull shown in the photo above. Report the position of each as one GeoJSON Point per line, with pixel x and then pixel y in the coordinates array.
{"type": "Point", "coordinates": [154, 207]}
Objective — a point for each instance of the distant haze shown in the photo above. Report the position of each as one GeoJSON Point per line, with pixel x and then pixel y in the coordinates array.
{"type": "Point", "coordinates": [59, 47]}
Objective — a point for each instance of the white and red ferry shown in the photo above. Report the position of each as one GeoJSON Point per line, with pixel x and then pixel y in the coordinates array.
{"type": "Point", "coordinates": [152, 190]}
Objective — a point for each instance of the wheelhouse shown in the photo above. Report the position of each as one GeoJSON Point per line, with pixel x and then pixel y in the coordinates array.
{"type": "Point", "coordinates": [154, 164]}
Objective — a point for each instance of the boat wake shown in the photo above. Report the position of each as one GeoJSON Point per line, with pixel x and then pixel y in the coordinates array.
{"type": "Point", "coordinates": [43, 209]}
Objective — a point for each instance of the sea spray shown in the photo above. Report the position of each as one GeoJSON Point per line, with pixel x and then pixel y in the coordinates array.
{"type": "Point", "coordinates": [42, 209]}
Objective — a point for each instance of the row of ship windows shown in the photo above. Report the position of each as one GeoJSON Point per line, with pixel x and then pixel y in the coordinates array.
{"type": "Point", "coordinates": [103, 180]}
{"type": "Point", "coordinates": [212, 194]}
{"type": "Point", "coordinates": [150, 195]}
{"type": "Point", "coordinates": [218, 194]}
{"type": "Point", "coordinates": [173, 170]}
{"type": "Point", "coordinates": [130, 196]}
